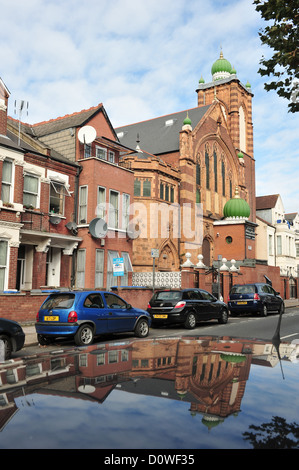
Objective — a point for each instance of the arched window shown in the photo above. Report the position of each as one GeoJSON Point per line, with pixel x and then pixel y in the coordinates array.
{"type": "Point", "coordinates": [198, 174]}
{"type": "Point", "coordinates": [207, 162]}
{"type": "Point", "coordinates": [215, 171]}
{"type": "Point", "coordinates": [223, 177]}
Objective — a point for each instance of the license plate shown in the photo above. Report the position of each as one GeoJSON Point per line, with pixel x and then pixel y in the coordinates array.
{"type": "Point", "coordinates": [160, 316]}
{"type": "Point", "coordinates": [51, 318]}
{"type": "Point", "coordinates": [241, 303]}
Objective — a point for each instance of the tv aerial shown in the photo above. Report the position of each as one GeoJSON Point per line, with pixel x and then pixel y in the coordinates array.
{"type": "Point", "coordinates": [98, 228]}
{"type": "Point", "coordinates": [87, 134]}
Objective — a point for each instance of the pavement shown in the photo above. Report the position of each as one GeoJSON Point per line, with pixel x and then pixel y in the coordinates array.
{"type": "Point", "coordinates": [31, 338]}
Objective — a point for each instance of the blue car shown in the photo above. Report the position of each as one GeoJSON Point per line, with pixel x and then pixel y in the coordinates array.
{"type": "Point", "coordinates": [258, 298]}
{"type": "Point", "coordinates": [82, 315]}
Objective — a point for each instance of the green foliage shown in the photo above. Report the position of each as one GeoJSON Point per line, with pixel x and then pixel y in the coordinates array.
{"type": "Point", "coordinates": [282, 37]}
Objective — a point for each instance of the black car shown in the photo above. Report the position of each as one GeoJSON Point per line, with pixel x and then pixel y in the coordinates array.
{"type": "Point", "coordinates": [258, 298]}
{"type": "Point", "coordinates": [187, 306]}
{"type": "Point", "coordinates": [12, 335]}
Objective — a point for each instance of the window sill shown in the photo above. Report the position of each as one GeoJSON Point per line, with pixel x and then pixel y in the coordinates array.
{"type": "Point", "coordinates": [15, 207]}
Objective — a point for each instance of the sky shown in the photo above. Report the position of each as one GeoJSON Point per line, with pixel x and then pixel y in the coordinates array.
{"type": "Point", "coordinates": [143, 59]}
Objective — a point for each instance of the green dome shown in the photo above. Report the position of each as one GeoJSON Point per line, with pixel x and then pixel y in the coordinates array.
{"type": "Point", "coordinates": [236, 208]}
{"type": "Point", "coordinates": [187, 121]}
{"type": "Point", "coordinates": [221, 67]}
{"type": "Point", "coordinates": [233, 71]}
{"type": "Point", "coordinates": [201, 80]}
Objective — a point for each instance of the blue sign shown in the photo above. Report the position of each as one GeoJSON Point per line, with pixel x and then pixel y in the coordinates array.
{"type": "Point", "coordinates": [118, 267]}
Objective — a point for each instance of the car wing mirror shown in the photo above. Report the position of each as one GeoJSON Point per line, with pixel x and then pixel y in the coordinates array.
{"type": "Point", "coordinates": [129, 306]}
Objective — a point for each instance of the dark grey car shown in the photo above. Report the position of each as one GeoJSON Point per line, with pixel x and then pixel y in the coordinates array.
{"type": "Point", "coordinates": [186, 306]}
{"type": "Point", "coordinates": [257, 297]}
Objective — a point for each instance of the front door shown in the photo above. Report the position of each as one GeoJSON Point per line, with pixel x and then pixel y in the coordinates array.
{"type": "Point", "coordinates": [53, 267]}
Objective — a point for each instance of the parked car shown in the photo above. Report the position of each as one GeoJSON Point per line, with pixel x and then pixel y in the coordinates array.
{"type": "Point", "coordinates": [86, 314]}
{"type": "Point", "coordinates": [187, 306]}
{"type": "Point", "coordinates": [12, 335]}
{"type": "Point", "coordinates": [258, 298]}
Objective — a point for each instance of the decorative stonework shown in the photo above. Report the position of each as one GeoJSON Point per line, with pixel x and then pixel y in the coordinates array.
{"type": "Point", "coordinates": [162, 279]}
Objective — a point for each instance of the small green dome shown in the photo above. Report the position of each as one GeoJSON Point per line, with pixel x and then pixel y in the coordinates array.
{"type": "Point", "coordinates": [233, 71]}
{"type": "Point", "coordinates": [221, 67]}
{"type": "Point", "coordinates": [236, 208]}
{"type": "Point", "coordinates": [201, 80]}
{"type": "Point", "coordinates": [187, 121]}
{"type": "Point", "coordinates": [240, 155]}
{"type": "Point", "coordinates": [248, 84]}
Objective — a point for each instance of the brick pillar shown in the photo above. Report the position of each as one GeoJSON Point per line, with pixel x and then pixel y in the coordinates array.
{"type": "Point", "coordinates": [13, 257]}
{"type": "Point", "coordinates": [39, 269]}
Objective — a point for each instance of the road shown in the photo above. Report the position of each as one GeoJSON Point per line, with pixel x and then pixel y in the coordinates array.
{"type": "Point", "coordinates": [254, 327]}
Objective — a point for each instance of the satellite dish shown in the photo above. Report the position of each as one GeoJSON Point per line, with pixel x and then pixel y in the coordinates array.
{"type": "Point", "coordinates": [133, 231]}
{"type": "Point", "coordinates": [98, 228]}
{"type": "Point", "coordinates": [87, 134]}
{"type": "Point", "coordinates": [55, 220]}
{"type": "Point", "coordinates": [72, 227]}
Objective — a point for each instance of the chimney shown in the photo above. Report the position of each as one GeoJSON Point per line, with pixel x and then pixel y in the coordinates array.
{"type": "Point", "coordinates": [4, 95]}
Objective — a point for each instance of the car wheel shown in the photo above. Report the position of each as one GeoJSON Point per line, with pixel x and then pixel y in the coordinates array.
{"type": "Point", "coordinates": [190, 322]}
{"type": "Point", "coordinates": [7, 346]}
{"type": "Point", "coordinates": [224, 317]}
{"type": "Point", "coordinates": [84, 335]}
{"type": "Point", "coordinates": [264, 311]}
{"type": "Point", "coordinates": [142, 328]}
{"type": "Point", "coordinates": [281, 308]}
{"type": "Point", "coordinates": [44, 340]}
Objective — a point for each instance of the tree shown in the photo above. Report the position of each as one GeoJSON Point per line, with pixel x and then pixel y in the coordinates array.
{"type": "Point", "coordinates": [282, 37]}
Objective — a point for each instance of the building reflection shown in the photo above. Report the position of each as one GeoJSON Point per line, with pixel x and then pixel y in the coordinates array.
{"type": "Point", "coordinates": [209, 373]}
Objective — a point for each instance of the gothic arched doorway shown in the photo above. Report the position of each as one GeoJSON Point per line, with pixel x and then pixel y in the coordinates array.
{"type": "Point", "coordinates": [206, 252]}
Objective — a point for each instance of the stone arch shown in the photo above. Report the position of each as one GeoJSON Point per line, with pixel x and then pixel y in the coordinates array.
{"type": "Point", "coordinates": [168, 257]}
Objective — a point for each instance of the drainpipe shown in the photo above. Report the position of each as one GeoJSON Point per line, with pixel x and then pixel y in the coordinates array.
{"type": "Point", "coordinates": [76, 193]}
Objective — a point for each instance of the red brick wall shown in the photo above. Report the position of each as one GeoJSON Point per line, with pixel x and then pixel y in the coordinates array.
{"type": "Point", "coordinates": [20, 307]}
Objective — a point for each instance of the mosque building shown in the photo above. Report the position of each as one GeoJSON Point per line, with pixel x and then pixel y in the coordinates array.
{"type": "Point", "coordinates": [200, 160]}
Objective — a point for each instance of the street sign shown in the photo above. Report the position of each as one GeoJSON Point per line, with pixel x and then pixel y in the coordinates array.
{"type": "Point", "coordinates": [154, 253]}
{"type": "Point", "coordinates": [118, 266]}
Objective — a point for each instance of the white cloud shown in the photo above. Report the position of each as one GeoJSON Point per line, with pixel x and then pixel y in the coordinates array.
{"type": "Point", "coordinates": [141, 60]}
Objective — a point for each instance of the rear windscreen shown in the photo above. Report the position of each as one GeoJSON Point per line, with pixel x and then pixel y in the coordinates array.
{"type": "Point", "coordinates": [169, 295]}
{"type": "Point", "coordinates": [243, 290]}
{"type": "Point", "coordinates": [59, 301]}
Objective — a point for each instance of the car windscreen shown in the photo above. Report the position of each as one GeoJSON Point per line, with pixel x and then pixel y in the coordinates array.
{"type": "Point", "coordinates": [59, 301]}
{"type": "Point", "coordinates": [168, 295]}
{"type": "Point", "coordinates": [246, 289]}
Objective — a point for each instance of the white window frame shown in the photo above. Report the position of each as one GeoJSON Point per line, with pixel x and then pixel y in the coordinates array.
{"type": "Point", "coordinates": [9, 184]}
{"type": "Point", "coordinates": [82, 214]}
{"type": "Point", "coordinates": [113, 216]}
{"type": "Point", "coordinates": [55, 185]}
{"type": "Point", "coordinates": [111, 156]}
{"type": "Point", "coordinates": [127, 268]}
{"type": "Point", "coordinates": [125, 210]}
{"type": "Point", "coordinates": [4, 267]}
{"type": "Point", "coordinates": [101, 205]}
{"type": "Point", "coordinates": [111, 280]}
{"type": "Point", "coordinates": [99, 268]}
{"type": "Point", "coordinates": [36, 195]}
{"type": "Point", "coordinates": [80, 270]}
{"type": "Point", "coordinates": [101, 152]}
